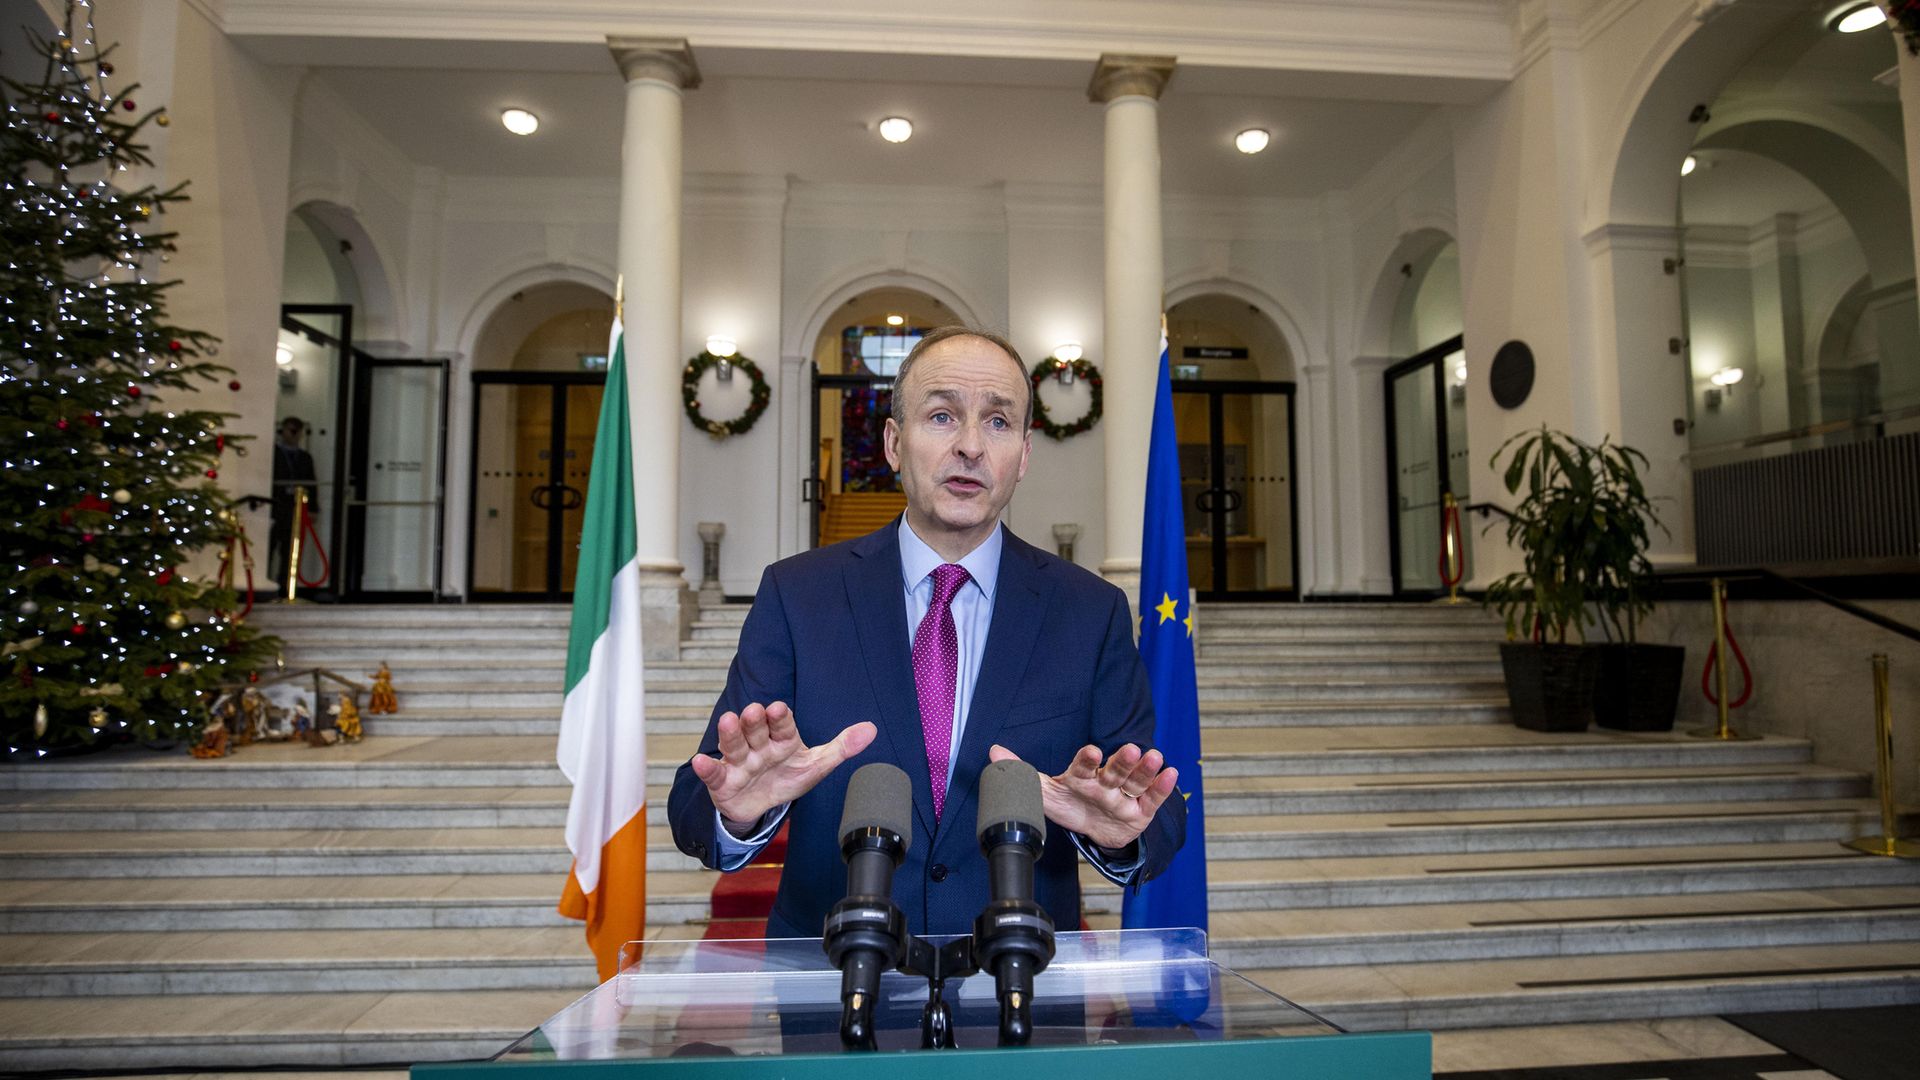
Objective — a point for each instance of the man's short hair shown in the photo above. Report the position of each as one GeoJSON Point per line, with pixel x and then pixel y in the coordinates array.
{"type": "Point", "coordinates": [944, 333]}
{"type": "Point", "coordinates": [297, 424]}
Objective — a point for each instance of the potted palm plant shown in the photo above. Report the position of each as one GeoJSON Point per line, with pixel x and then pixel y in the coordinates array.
{"type": "Point", "coordinates": [1638, 686]}
{"type": "Point", "coordinates": [1571, 549]}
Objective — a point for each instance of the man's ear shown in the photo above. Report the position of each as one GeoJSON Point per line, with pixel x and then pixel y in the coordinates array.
{"type": "Point", "coordinates": [890, 443]}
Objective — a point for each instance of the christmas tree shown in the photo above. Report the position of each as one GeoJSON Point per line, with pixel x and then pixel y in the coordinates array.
{"type": "Point", "coordinates": [105, 492]}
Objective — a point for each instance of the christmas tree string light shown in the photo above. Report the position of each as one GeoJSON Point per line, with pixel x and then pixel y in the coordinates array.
{"type": "Point", "coordinates": [104, 492]}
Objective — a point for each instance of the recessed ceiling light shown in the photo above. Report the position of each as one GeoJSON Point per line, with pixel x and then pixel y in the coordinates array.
{"type": "Point", "coordinates": [896, 129]}
{"type": "Point", "coordinates": [519, 121]}
{"type": "Point", "coordinates": [1687, 166]}
{"type": "Point", "coordinates": [896, 320]}
{"type": "Point", "coordinates": [1853, 18]}
{"type": "Point", "coordinates": [1252, 140]}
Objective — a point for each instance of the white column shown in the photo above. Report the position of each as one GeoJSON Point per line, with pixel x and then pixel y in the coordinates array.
{"type": "Point", "coordinates": [657, 72]}
{"type": "Point", "coordinates": [1130, 88]}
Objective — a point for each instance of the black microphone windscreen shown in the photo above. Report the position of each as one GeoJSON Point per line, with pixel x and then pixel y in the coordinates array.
{"type": "Point", "coordinates": [879, 796]}
{"type": "Point", "coordinates": [1010, 791]}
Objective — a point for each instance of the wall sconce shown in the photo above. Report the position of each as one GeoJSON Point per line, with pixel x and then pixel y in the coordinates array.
{"type": "Point", "coordinates": [283, 354]}
{"type": "Point", "coordinates": [722, 348]}
{"type": "Point", "coordinates": [1726, 377]}
{"type": "Point", "coordinates": [1064, 354]}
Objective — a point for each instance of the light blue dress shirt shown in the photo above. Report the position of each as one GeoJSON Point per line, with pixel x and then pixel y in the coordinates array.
{"type": "Point", "coordinates": [972, 610]}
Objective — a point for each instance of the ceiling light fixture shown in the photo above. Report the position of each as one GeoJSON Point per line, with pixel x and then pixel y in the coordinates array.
{"type": "Point", "coordinates": [1687, 166]}
{"type": "Point", "coordinates": [896, 320]}
{"type": "Point", "coordinates": [519, 121]}
{"type": "Point", "coordinates": [1252, 140]}
{"type": "Point", "coordinates": [1853, 18]}
{"type": "Point", "coordinates": [896, 129]}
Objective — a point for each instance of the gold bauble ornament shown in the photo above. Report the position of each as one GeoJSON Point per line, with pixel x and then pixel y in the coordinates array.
{"type": "Point", "coordinates": [176, 621]}
{"type": "Point", "coordinates": [163, 120]}
{"type": "Point", "coordinates": [184, 667]}
{"type": "Point", "coordinates": [39, 721]}
{"type": "Point", "coordinates": [97, 718]}
{"type": "Point", "coordinates": [122, 496]}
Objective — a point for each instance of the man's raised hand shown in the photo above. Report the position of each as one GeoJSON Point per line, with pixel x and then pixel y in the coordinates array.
{"type": "Point", "coordinates": [1111, 802]}
{"type": "Point", "coordinates": [763, 763]}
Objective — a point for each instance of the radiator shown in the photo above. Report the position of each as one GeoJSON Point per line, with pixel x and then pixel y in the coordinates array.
{"type": "Point", "coordinates": [1857, 501]}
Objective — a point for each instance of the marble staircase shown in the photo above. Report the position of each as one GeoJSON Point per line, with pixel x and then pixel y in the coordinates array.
{"type": "Point", "coordinates": [1385, 848]}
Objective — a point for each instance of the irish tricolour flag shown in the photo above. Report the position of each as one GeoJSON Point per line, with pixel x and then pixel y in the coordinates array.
{"type": "Point", "coordinates": [603, 748]}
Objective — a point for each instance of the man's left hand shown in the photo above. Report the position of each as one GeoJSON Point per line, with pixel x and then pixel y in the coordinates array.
{"type": "Point", "coordinates": [1111, 802]}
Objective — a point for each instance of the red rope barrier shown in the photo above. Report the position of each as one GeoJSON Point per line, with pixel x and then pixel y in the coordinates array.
{"type": "Point", "coordinates": [307, 530]}
{"type": "Point", "coordinates": [1713, 658]}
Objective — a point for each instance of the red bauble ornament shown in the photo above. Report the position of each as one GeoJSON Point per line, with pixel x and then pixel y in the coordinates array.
{"type": "Point", "coordinates": [133, 391]}
{"type": "Point", "coordinates": [53, 118]}
{"type": "Point", "coordinates": [92, 418]}
{"type": "Point", "coordinates": [78, 629]}
{"type": "Point", "coordinates": [127, 104]}
{"type": "Point", "coordinates": [93, 504]}
{"type": "Point", "coordinates": [234, 385]}
{"type": "Point", "coordinates": [219, 444]}
{"type": "Point", "coordinates": [86, 538]}
{"type": "Point", "coordinates": [155, 672]}
{"type": "Point", "coordinates": [164, 577]}
{"type": "Point", "coordinates": [253, 676]}
{"type": "Point", "coordinates": [173, 346]}
{"type": "Point", "coordinates": [61, 423]}
{"type": "Point", "coordinates": [106, 68]}
{"type": "Point", "coordinates": [213, 474]}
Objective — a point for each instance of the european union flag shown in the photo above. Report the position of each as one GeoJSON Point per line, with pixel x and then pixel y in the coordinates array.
{"type": "Point", "coordinates": [1177, 897]}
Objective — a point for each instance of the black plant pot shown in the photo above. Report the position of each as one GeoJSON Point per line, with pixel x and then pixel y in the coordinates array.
{"type": "Point", "coordinates": [1550, 687]}
{"type": "Point", "coordinates": [1639, 687]}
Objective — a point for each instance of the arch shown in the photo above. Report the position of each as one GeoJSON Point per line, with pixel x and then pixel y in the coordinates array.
{"type": "Point", "coordinates": [1690, 63]}
{"type": "Point", "coordinates": [1271, 308]}
{"type": "Point", "coordinates": [1839, 318]}
{"type": "Point", "coordinates": [483, 307]}
{"type": "Point", "coordinates": [1872, 201]}
{"type": "Point", "coordinates": [1374, 335]}
{"type": "Point", "coordinates": [379, 317]}
{"type": "Point", "coordinates": [822, 305]}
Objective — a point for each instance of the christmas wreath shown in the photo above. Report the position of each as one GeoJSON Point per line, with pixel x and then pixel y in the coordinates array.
{"type": "Point", "coordinates": [1082, 369]}
{"type": "Point", "coordinates": [1905, 17]}
{"type": "Point", "coordinates": [690, 394]}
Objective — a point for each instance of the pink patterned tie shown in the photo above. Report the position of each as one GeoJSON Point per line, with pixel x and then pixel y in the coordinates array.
{"type": "Point", "coordinates": [936, 673]}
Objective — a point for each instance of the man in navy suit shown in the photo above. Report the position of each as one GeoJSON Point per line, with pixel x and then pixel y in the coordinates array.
{"type": "Point", "coordinates": [938, 643]}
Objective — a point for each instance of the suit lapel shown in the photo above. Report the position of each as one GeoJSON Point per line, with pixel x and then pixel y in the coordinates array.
{"type": "Point", "coordinates": [875, 594]}
{"type": "Point", "coordinates": [1019, 607]}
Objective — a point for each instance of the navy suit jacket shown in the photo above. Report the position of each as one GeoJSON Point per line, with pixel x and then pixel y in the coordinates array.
{"type": "Point", "coordinates": [828, 635]}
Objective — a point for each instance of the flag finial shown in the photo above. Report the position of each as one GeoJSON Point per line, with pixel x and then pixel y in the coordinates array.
{"type": "Point", "coordinates": [620, 298]}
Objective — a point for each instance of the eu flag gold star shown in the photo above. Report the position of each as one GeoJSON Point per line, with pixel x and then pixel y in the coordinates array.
{"type": "Point", "coordinates": [1166, 607]}
{"type": "Point", "coordinates": [1189, 621]}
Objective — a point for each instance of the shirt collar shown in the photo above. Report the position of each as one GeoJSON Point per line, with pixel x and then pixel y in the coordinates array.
{"type": "Point", "coordinates": [917, 560]}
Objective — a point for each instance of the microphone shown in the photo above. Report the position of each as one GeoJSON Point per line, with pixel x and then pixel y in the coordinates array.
{"type": "Point", "coordinates": [865, 933]}
{"type": "Point", "coordinates": [1013, 937]}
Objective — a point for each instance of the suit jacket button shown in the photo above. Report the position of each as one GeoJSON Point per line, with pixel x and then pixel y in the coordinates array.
{"type": "Point", "coordinates": [939, 872]}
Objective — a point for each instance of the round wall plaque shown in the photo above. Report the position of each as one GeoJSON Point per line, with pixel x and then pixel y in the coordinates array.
{"type": "Point", "coordinates": [1511, 377]}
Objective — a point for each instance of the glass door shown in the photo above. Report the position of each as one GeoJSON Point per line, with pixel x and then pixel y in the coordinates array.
{"type": "Point", "coordinates": [852, 489]}
{"type": "Point", "coordinates": [532, 455]}
{"type": "Point", "coordinates": [1426, 459]}
{"type": "Point", "coordinates": [1236, 470]}
{"type": "Point", "coordinates": [395, 477]}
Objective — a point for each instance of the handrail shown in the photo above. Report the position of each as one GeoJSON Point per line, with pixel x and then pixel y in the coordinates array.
{"type": "Point", "coordinates": [1808, 431]}
{"type": "Point", "coordinates": [1484, 509]}
{"type": "Point", "coordinates": [1762, 573]}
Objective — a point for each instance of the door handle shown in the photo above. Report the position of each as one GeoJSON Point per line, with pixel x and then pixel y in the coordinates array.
{"type": "Point", "coordinates": [542, 496]}
{"type": "Point", "coordinates": [809, 490]}
{"type": "Point", "coordinates": [570, 497]}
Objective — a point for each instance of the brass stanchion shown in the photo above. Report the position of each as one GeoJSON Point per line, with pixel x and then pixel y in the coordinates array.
{"type": "Point", "coordinates": [293, 547]}
{"type": "Point", "coordinates": [1889, 841]}
{"type": "Point", "coordinates": [1452, 563]}
{"type": "Point", "coordinates": [1724, 729]}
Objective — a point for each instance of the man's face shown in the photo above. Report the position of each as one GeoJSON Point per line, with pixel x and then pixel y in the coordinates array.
{"type": "Point", "coordinates": [959, 441]}
{"type": "Point", "coordinates": [290, 434]}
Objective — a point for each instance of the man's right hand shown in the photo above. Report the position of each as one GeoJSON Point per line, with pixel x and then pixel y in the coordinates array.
{"type": "Point", "coordinates": [763, 763]}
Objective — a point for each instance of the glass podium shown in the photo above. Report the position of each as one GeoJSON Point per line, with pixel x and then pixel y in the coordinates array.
{"type": "Point", "coordinates": [1114, 999]}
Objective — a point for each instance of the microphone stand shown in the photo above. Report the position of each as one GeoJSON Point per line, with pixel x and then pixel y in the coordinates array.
{"type": "Point", "coordinates": [954, 960]}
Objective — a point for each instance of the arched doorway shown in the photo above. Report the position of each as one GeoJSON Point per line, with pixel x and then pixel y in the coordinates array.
{"type": "Point", "coordinates": [540, 372]}
{"type": "Point", "coordinates": [1426, 413]}
{"type": "Point", "coordinates": [360, 435]}
{"type": "Point", "coordinates": [1233, 404]}
{"type": "Point", "coordinates": [852, 490]}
